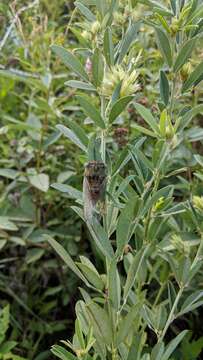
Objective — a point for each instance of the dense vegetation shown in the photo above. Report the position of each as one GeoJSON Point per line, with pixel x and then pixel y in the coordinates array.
{"type": "Point", "coordinates": [101, 201]}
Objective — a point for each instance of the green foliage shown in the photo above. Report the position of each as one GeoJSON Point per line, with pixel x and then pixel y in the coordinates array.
{"type": "Point", "coordinates": [111, 83]}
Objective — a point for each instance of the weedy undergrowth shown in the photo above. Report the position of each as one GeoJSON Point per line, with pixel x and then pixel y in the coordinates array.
{"type": "Point", "coordinates": [147, 233]}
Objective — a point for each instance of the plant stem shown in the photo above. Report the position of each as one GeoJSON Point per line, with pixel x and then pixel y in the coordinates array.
{"type": "Point", "coordinates": [171, 315]}
{"type": "Point", "coordinates": [103, 132]}
{"type": "Point", "coordinates": [159, 294]}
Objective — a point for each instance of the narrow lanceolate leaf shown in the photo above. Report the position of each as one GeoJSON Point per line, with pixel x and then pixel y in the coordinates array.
{"type": "Point", "coordinates": [80, 85]}
{"type": "Point", "coordinates": [100, 322]}
{"type": "Point", "coordinates": [192, 302]}
{"type": "Point", "coordinates": [164, 45]}
{"type": "Point", "coordinates": [101, 238]}
{"type": "Point", "coordinates": [184, 54]}
{"type": "Point", "coordinates": [108, 47]}
{"type": "Point", "coordinates": [128, 39]}
{"type": "Point", "coordinates": [114, 287]}
{"type": "Point", "coordinates": [85, 11]}
{"type": "Point", "coordinates": [194, 78]}
{"type": "Point", "coordinates": [97, 67]}
{"type": "Point", "coordinates": [118, 107]}
{"type": "Point", "coordinates": [62, 353]}
{"type": "Point", "coordinates": [91, 111]}
{"type": "Point", "coordinates": [143, 130]}
{"type": "Point", "coordinates": [78, 131]}
{"type": "Point", "coordinates": [164, 88]}
{"type": "Point", "coordinates": [65, 257]}
{"type": "Point", "coordinates": [71, 191]}
{"type": "Point", "coordinates": [124, 226]}
{"type": "Point", "coordinates": [91, 276]}
{"type": "Point", "coordinates": [70, 60]}
{"type": "Point", "coordinates": [71, 136]}
{"type": "Point", "coordinates": [127, 323]}
{"type": "Point", "coordinates": [133, 271]}
{"type": "Point", "coordinates": [148, 117]}
{"type": "Point", "coordinates": [189, 115]}
{"type": "Point", "coordinates": [173, 345]}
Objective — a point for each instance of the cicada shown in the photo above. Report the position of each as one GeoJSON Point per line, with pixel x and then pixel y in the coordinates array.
{"type": "Point", "coordinates": [94, 186]}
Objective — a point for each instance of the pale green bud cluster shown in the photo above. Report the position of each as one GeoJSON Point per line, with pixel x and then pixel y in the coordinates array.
{"type": "Point", "coordinates": [118, 75]}
{"type": "Point", "coordinates": [198, 202]}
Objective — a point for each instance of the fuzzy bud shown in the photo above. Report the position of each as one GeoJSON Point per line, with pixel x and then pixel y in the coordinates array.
{"type": "Point", "coordinates": [198, 202]}
{"type": "Point", "coordinates": [88, 66]}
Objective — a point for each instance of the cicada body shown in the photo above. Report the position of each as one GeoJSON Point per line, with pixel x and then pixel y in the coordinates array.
{"type": "Point", "coordinates": [94, 185]}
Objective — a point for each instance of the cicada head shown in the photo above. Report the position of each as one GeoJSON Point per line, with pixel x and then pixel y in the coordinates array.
{"type": "Point", "coordinates": [93, 185]}
{"type": "Point", "coordinates": [95, 173]}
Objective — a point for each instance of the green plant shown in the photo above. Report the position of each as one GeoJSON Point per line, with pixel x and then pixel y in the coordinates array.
{"type": "Point", "coordinates": [6, 346]}
{"type": "Point", "coordinates": [148, 230]}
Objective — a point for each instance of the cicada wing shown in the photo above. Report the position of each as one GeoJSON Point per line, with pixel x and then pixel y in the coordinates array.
{"type": "Point", "coordinates": [89, 204]}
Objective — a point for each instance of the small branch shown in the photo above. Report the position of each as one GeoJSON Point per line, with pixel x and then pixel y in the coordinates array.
{"type": "Point", "coordinates": [171, 315]}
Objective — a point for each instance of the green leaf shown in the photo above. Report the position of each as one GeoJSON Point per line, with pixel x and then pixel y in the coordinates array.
{"type": "Point", "coordinates": [101, 238]}
{"type": "Point", "coordinates": [9, 173]}
{"type": "Point", "coordinates": [114, 287]}
{"type": "Point", "coordinates": [97, 67]}
{"type": "Point", "coordinates": [71, 191]}
{"type": "Point", "coordinates": [189, 115]}
{"type": "Point", "coordinates": [78, 131]}
{"type": "Point", "coordinates": [148, 117]}
{"type": "Point", "coordinates": [192, 302]}
{"type": "Point", "coordinates": [4, 322]}
{"type": "Point", "coordinates": [164, 87]}
{"type": "Point", "coordinates": [101, 7]}
{"type": "Point", "coordinates": [91, 111]}
{"type": "Point", "coordinates": [85, 11]}
{"type": "Point", "coordinates": [165, 192]}
{"type": "Point", "coordinates": [62, 353]}
{"type": "Point", "coordinates": [193, 78]}
{"type": "Point", "coordinates": [173, 345]}
{"type": "Point", "coordinates": [108, 47]}
{"type": "Point", "coordinates": [133, 270]}
{"type": "Point", "coordinates": [118, 107]}
{"type": "Point", "coordinates": [40, 181]}
{"type": "Point", "coordinates": [80, 85]}
{"type": "Point", "coordinates": [34, 255]}
{"type": "Point", "coordinates": [157, 351]}
{"type": "Point", "coordinates": [127, 323]}
{"type": "Point", "coordinates": [65, 257]}
{"type": "Point", "coordinates": [143, 130]}
{"type": "Point", "coordinates": [164, 45]}
{"type": "Point", "coordinates": [199, 159]}
{"type": "Point", "coordinates": [184, 54]}
{"type": "Point", "coordinates": [128, 39]}
{"type": "Point", "coordinates": [100, 322]}
{"type": "Point", "coordinates": [92, 276]}
{"type": "Point", "coordinates": [6, 224]}
{"type": "Point", "coordinates": [6, 347]}
{"type": "Point", "coordinates": [21, 76]}
{"type": "Point", "coordinates": [73, 136]}
{"type": "Point", "coordinates": [123, 230]}
{"type": "Point", "coordinates": [70, 60]}
{"type": "Point", "coordinates": [35, 124]}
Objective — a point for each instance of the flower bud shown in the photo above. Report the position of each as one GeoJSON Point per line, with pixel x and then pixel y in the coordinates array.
{"type": "Point", "coordinates": [88, 66]}
{"type": "Point", "coordinates": [175, 27]}
{"type": "Point", "coordinates": [198, 202]}
{"type": "Point", "coordinates": [95, 27]}
{"type": "Point", "coordinates": [185, 71]}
